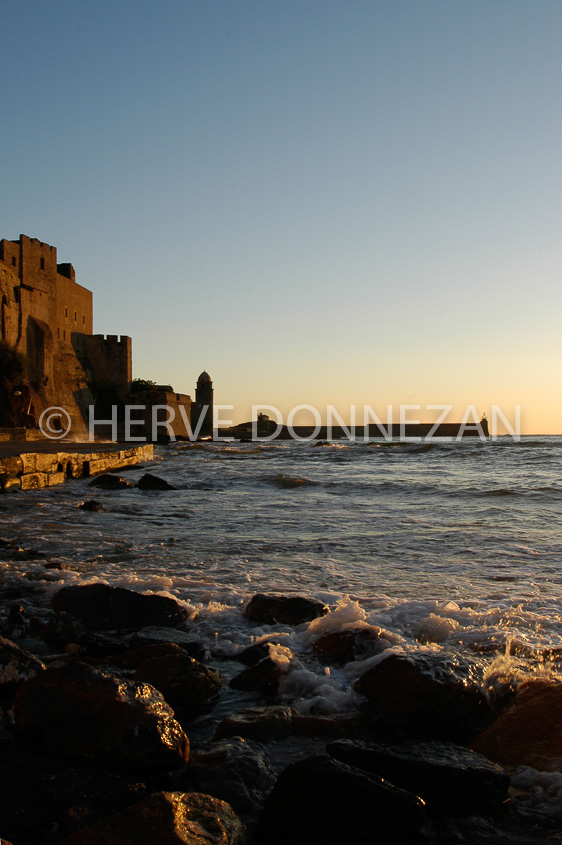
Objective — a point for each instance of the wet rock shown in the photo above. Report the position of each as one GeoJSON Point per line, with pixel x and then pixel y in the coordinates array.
{"type": "Point", "coordinates": [253, 654]}
{"type": "Point", "coordinates": [443, 774]}
{"type": "Point", "coordinates": [427, 695]}
{"type": "Point", "coordinates": [66, 632]}
{"type": "Point", "coordinates": [320, 801]}
{"type": "Point", "coordinates": [265, 724]}
{"type": "Point", "coordinates": [345, 646]}
{"type": "Point", "coordinates": [167, 818]}
{"type": "Point", "coordinates": [183, 681]}
{"type": "Point", "coordinates": [44, 798]}
{"type": "Point", "coordinates": [77, 710]}
{"type": "Point", "coordinates": [357, 724]}
{"type": "Point", "coordinates": [16, 665]}
{"type": "Point", "coordinates": [236, 770]}
{"type": "Point", "coordinates": [262, 677]}
{"type": "Point", "coordinates": [92, 506]}
{"type": "Point", "coordinates": [285, 610]}
{"type": "Point", "coordinates": [135, 657]}
{"type": "Point", "coordinates": [153, 635]}
{"type": "Point", "coordinates": [18, 622]}
{"type": "Point", "coordinates": [525, 734]}
{"type": "Point", "coordinates": [110, 482]}
{"type": "Point", "coordinates": [153, 482]}
{"type": "Point", "coordinates": [99, 605]}
{"type": "Point", "coordinates": [259, 723]}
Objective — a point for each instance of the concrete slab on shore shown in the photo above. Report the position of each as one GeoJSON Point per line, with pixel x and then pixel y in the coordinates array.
{"type": "Point", "coordinates": [28, 466]}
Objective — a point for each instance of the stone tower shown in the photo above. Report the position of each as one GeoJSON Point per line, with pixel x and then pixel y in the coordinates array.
{"type": "Point", "coordinates": [203, 406]}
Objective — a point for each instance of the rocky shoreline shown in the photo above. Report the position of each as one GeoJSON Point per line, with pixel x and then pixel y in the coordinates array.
{"type": "Point", "coordinates": [118, 726]}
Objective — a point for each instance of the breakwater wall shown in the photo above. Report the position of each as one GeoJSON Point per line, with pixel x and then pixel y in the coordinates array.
{"type": "Point", "coordinates": [27, 467]}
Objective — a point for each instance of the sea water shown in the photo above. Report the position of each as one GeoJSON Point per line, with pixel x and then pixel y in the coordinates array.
{"type": "Point", "coordinates": [443, 545]}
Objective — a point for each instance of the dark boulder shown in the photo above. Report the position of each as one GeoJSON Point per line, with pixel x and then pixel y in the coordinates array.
{"type": "Point", "coordinates": [183, 681]}
{"type": "Point", "coordinates": [167, 818]}
{"type": "Point", "coordinates": [92, 506]}
{"type": "Point", "coordinates": [320, 801]}
{"type": "Point", "coordinates": [135, 657]}
{"type": "Point", "coordinates": [253, 653]}
{"type": "Point", "coordinates": [76, 710]}
{"type": "Point", "coordinates": [44, 797]}
{"type": "Point", "coordinates": [262, 677]}
{"type": "Point", "coordinates": [16, 665]}
{"type": "Point", "coordinates": [99, 605]}
{"type": "Point", "coordinates": [273, 723]}
{"type": "Point", "coordinates": [152, 482]}
{"type": "Point", "coordinates": [64, 631]}
{"type": "Point", "coordinates": [443, 774]}
{"type": "Point", "coordinates": [345, 646]}
{"type": "Point", "coordinates": [18, 622]}
{"type": "Point", "coordinates": [259, 723]}
{"type": "Point", "coordinates": [527, 733]}
{"type": "Point", "coordinates": [284, 610]}
{"type": "Point", "coordinates": [427, 695]}
{"type": "Point", "coordinates": [235, 770]}
{"type": "Point", "coordinates": [154, 635]}
{"type": "Point", "coordinates": [111, 482]}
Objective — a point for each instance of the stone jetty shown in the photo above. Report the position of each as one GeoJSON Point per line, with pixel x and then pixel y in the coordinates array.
{"type": "Point", "coordinates": [38, 464]}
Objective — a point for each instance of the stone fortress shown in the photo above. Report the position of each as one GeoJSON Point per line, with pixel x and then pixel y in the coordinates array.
{"type": "Point", "coordinates": [48, 317]}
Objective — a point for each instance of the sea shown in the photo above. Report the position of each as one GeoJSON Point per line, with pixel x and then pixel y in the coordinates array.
{"type": "Point", "coordinates": [445, 546]}
{"type": "Point", "coordinates": [437, 541]}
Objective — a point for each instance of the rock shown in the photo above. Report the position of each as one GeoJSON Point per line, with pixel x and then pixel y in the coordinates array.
{"type": "Point", "coordinates": [16, 665]}
{"type": "Point", "coordinates": [235, 770]}
{"type": "Point", "coordinates": [76, 710]}
{"type": "Point", "coordinates": [18, 622]}
{"type": "Point", "coordinates": [525, 734]}
{"type": "Point", "coordinates": [153, 635]}
{"type": "Point", "coordinates": [443, 774]}
{"type": "Point", "coordinates": [63, 631]}
{"type": "Point", "coordinates": [183, 681]}
{"type": "Point", "coordinates": [167, 818]}
{"type": "Point", "coordinates": [110, 482]}
{"type": "Point", "coordinates": [253, 654]}
{"type": "Point", "coordinates": [259, 723]}
{"type": "Point", "coordinates": [43, 794]}
{"type": "Point", "coordinates": [262, 677]}
{"type": "Point", "coordinates": [93, 506]}
{"type": "Point", "coordinates": [135, 657]}
{"type": "Point", "coordinates": [99, 605]}
{"type": "Point", "coordinates": [285, 610]}
{"type": "Point", "coordinates": [427, 695]}
{"type": "Point", "coordinates": [152, 482]}
{"type": "Point", "coordinates": [345, 646]}
{"type": "Point", "coordinates": [265, 724]}
{"type": "Point", "coordinates": [320, 801]}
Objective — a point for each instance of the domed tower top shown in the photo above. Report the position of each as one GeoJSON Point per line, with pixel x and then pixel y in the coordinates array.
{"type": "Point", "coordinates": [204, 378]}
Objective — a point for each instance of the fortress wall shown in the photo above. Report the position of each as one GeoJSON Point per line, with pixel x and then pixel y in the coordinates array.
{"type": "Point", "coordinates": [73, 309]}
{"type": "Point", "coordinates": [174, 401]}
{"type": "Point", "coordinates": [9, 310]}
{"type": "Point", "coordinates": [110, 360]}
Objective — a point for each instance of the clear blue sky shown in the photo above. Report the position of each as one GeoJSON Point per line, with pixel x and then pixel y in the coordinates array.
{"type": "Point", "coordinates": [318, 202]}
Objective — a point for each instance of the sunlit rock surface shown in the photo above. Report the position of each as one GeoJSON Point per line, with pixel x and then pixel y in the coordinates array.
{"type": "Point", "coordinates": [528, 732]}
{"type": "Point", "coordinates": [77, 710]}
{"type": "Point", "coordinates": [167, 818]}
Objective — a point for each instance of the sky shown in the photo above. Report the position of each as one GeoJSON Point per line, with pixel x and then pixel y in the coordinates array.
{"type": "Point", "coordinates": [325, 203]}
